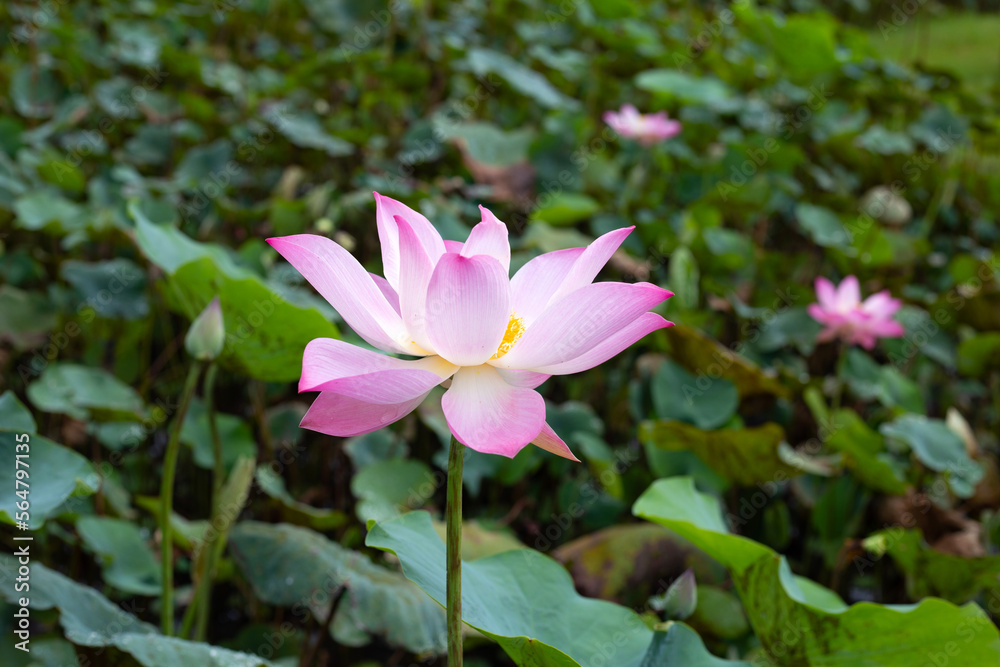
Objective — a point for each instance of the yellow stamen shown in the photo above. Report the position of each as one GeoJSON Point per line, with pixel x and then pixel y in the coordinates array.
{"type": "Point", "coordinates": [515, 328]}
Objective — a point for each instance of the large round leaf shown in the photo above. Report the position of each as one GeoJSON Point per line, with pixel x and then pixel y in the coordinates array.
{"type": "Point", "coordinates": [706, 402]}
{"type": "Point", "coordinates": [522, 599]}
{"type": "Point", "coordinates": [939, 448]}
{"type": "Point", "coordinates": [56, 474]}
{"type": "Point", "coordinates": [798, 626]}
{"type": "Point", "coordinates": [90, 619]}
{"type": "Point", "coordinates": [288, 565]}
{"type": "Point", "coordinates": [85, 392]}
{"type": "Point", "coordinates": [129, 563]}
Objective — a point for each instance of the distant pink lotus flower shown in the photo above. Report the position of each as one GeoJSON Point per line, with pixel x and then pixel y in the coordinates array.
{"type": "Point", "coordinates": [453, 305]}
{"type": "Point", "coordinates": [647, 129]}
{"type": "Point", "coordinates": [846, 317]}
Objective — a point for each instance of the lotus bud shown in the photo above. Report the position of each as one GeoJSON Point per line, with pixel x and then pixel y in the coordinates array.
{"type": "Point", "coordinates": [207, 335]}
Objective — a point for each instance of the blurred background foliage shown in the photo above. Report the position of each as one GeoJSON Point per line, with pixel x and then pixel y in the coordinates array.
{"type": "Point", "coordinates": [147, 148]}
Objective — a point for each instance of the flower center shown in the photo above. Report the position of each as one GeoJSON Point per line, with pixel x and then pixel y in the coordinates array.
{"type": "Point", "coordinates": [515, 329]}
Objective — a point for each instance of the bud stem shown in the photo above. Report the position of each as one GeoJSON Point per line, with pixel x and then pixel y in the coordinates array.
{"type": "Point", "coordinates": [167, 500]}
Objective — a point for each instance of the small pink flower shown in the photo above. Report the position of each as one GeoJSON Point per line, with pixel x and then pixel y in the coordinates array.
{"type": "Point", "coordinates": [855, 322]}
{"type": "Point", "coordinates": [491, 338]}
{"type": "Point", "coordinates": [647, 129]}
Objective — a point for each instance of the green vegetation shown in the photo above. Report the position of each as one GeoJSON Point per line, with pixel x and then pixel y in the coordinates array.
{"type": "Point", "coordinates": [833, 504]}
{"type": "Point", "coordinates": [965, 44]}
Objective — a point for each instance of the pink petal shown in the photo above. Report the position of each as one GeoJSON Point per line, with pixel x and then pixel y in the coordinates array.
{"type": "Point", "coordinates": [489, 237]}
{"type": "Point", "coordinates": [517, 378]}
{"type": "Point", "coordinates": [866, 341]}
{"type": "Point", "coordinates": [453, 246]}
{"type": "Point", "coordinates": [629, 112]}
{"type": "Point", "coordinates": [824, 316]}
{"type": "Point", "coordinates": [827, 335]}
{"type": "Point", "coordinates": [489, 415]}
{"type": "Point", "coordinates": [826, 293]}
{"type": "Point", "coordinates": [630, 122]}
{"type": "Point", "coordinates": [386, 289]}
{"type": "Point", "coordinates": [848, 294]}
{"type": "Point", "coordinates": [331, 365]}
{"type": "Point", "coordinates": [468, 308]}
{"type": "Point", "coordinates": [618, 123]}
{"type": "Point", "coordinates": [881, 305]}
{"type": "Point", "coordinates": [415, 269]}
{"type": "Point", "coordinates": [344, 417]}
{"type": "Point", "coordinates": [348, 287]}
{"type": "Point", "coordinates": [590, 263]}
{"type": "Point", "coordinates": [665, 128]}
{"type": "Point", "coordinates": [610, 346]}
{"type": "Point", "coordinates": [550, 442]}
{"type": "Point", "coordinates": [534, 284]}
{"type": "Point", "coordinates": [886, 329]}
{"type": "Point", "coordinates": [386, 209]}
{"type": "Point", "coordinates": [574, 325]}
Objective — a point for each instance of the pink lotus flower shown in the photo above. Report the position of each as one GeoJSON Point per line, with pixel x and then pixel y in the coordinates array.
{"type": "Point", "coordinates": [846, 317]}
{"type": "Point", "coordinates": [453, 306]}
{"type": "Point", "coordinates": [647, 129]}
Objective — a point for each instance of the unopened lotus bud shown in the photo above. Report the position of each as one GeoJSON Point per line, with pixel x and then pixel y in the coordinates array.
{"type": "Point", "coordinates": [207, 335]}
{"type": "Point", "coordinates": [957, 423]}
{"type": "Point", "coordinates": [886, 206]}
{"type": "Point", "coordinates": [680, 599]}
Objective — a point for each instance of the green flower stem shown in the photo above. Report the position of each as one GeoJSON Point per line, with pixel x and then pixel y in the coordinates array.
{"type": "Point", "coordinates": [218, 546]}
{"type": "Point", "coordinates": [453, 518]}
{"type": "Point", "coordinates": [634, 182]}
{"type": "Point", "coordinates": [219, 470]}
{"type": "Point", "coordinates": [167, 501]}
{"type": "Point", "coordinates": [188, 621]}
{"type": "Point", "coordinates": [842, 350]}
{"type": "Point", "coordinates": [196, 615]}
{"type": "Point", "coordinates": [211, 554]}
